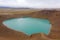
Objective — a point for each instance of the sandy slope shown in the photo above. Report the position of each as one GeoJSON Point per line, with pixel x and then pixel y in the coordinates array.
{"type": "Point", "coordinates": [53, 16]}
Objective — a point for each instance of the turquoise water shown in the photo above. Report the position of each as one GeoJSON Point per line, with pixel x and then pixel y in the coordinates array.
{"type": "Point", "coordinates": [29, 25]}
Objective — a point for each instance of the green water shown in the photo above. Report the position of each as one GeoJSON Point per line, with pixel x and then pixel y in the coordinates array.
{"type": "Point", "coordinates": [29, 25]}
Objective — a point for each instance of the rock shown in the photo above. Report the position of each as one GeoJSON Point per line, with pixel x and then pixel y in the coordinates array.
{"type": "Point", "coordinates": [39, 36]}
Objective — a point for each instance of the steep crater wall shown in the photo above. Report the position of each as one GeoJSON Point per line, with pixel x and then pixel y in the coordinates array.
{"type": "Point", "coordinates": [52, 15]}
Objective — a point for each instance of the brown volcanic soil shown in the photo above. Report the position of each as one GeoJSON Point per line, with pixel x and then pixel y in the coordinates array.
{"type": "Point", "coordinates": [52, 15]}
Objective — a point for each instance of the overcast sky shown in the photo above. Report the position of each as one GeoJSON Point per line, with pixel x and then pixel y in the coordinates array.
{"type": "Point", "coordinates": [31, 3]}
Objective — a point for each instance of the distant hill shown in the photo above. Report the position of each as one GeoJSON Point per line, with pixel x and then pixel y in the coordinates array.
{"type": "Point", "coordinates": [15, 7]}
{"type": "Point", "coordinates": [4, 7]}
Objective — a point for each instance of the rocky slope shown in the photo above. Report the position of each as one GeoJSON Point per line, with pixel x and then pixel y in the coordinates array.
{"type": "Point", "coordinates": [52, 15]}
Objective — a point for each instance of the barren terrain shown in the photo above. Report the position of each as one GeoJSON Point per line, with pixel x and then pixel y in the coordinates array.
{"type": "Point", "coordinates": [8, 34]}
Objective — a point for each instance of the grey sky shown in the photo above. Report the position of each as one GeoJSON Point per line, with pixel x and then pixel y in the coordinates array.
{"type": "Point", "coordinates": [31, 3]}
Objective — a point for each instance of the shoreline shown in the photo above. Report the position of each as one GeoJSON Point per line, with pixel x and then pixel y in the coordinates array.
{"type": "Point", "coordinates": [52, 15]}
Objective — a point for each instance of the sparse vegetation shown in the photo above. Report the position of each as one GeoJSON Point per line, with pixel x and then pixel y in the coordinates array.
{"type": "Point", "coordinates": [12, 11]}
